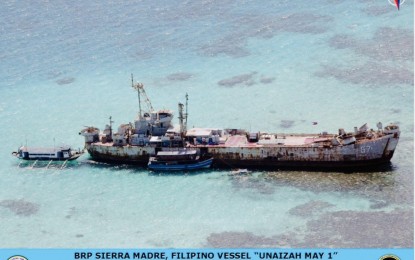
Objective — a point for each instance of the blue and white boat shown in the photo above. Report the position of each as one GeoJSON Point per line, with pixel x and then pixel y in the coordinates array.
{"type": "Point", "coordinates": [60, 153]}
{"type": "Point", "coordinates": [181, 159]}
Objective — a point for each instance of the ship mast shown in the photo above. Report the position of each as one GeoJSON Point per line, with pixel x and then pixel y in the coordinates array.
{"type": "Point", "coordinates": [186, 114]}
{"type": "Point", "coordinates": [110, 135]}
{"type": "Point", "coordinates": [183, 117]}
{"type": "Point", "coordinates": [140, 91]}
{"type": "Point", "coordinates": [138, 94]}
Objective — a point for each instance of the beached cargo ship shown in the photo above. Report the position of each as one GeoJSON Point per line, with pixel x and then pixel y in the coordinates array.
{"type": "Point", "coordinates": [153, 132]}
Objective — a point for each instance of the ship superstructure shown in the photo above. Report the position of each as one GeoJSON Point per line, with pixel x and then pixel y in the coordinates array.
{"type": "Point", "coordinates": [152, 131]}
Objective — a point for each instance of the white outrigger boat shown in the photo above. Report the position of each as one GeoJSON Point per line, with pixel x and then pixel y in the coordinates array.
{"type": "Point", "coordinates": [61, 153]}
{"type": "Point", "coordinates": [44, 154]}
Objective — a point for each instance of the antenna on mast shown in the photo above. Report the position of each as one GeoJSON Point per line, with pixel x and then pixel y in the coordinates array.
{"type": "Point", "coordinates": [111, 128]}
{"type": "Point", "coordinates": [186, 114]}
{"type": "Point", "coordinates": [181, 117]}
{"type": "Point", "coordinates": [137, 87]}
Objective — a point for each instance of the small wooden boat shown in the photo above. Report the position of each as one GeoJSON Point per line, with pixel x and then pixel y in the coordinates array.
{"type": "Point", "coordinates": [179, 160]}
{"type": "Point", "coordinates": [61, 153]}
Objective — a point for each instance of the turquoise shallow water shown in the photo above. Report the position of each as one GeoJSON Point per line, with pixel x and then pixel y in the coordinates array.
{"type": "Point", "coordinates": [270, 66]}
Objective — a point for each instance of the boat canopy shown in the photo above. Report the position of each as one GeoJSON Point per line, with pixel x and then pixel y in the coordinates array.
{"type": "Point", "coordinates": [41, 150]}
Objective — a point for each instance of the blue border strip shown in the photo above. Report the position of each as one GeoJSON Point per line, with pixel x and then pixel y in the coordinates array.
{"type": "Point", "coordinates": [203, 254]}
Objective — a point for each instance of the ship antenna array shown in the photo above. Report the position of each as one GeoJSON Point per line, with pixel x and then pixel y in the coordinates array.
{"type": "Point", "coordinates": [111, 126]}
{"type": "Point", "coordinates": [183, 125]}
{"type": "Point", "coordinates": [181, 117]}
{"type": "Point", "coordinates": [186, 114]}
{"type": "Point", "coordinates": [141, 92]}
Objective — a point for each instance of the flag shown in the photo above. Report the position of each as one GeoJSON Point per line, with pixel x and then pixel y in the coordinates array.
{"type": "Point", "coordinates": [397, 3]}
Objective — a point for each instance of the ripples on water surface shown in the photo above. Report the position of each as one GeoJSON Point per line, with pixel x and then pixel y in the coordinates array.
{"type": "Point", "coordinates": [271, 66]}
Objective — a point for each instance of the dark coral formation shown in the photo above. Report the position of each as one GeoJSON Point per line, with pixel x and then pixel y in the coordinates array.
{"type": "Point", "coordinates": [333, 229]}
{"type": "Point", "coordinates": [20, 207]}
{"type": "Point", "coordinates": [239, 80]}
{"type": "Point", "coordinates": [361, 229]}
{"type": "Point", "coordinates": [287, 123]}
{"type": "Point", "coordinates": [181, 76]}
{"type": "Point", "coordinates": [239, 240]}
{"type": "Point", "coordinates": [310, 208]}
{"type": "Point", "coordinates": [65, 81]}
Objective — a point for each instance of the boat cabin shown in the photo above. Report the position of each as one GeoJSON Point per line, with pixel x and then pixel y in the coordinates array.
{"type": "Point", "coordinates": [44, 153]}
{"type": "Point", "coordinates": [177, 155]}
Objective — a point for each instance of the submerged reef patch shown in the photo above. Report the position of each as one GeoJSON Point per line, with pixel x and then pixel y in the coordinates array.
{"type": "Point", "coordinates": [378, 204]}
{"type": "Point", "coordinates": [392, 43]}
{"type": "Point", "coordinates": [265, 80]}
{"type": "Point", "coordinates": [372, 74]}
{"type": "Point", "coordinates": [252, 183]}
{"type": "Point", "coordinates": [181, 76]}
{"type": "Point", "coordinates": [239, 240]}
{"type": "Point", "coordinates": [333, 229]}
{"type": "Point", "coordinates": [144, 54]}
{"type": "Point", "coordinates": [247, 79]}
{"type": "Point", "coordinates": [264, 27]}
{"type": "Point", "coordinates": [384, 186]}
{"type": "Point", "coordinates": [20, 207]}
{"type": "Point", "coordinates": [243, 79]}
{"type": "Point", "coordinates": [395, 110]}
{"type": "Point", "coordinates": [387, 43]}
{"type": "Point", "coordinates": [378, 10]}
{"type": "Point", "coordinates": [310, 208]}
{"type": "Point", "coordinates": [287, 123]}
{"type": "Point", "coordinates": [361, 229]}
{"type": "Point", "coordinates": [65, 81]}
{"type": "Point", "coordinates": [226, 46]}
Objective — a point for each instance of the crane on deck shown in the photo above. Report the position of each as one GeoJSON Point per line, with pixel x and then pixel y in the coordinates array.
{"type": "Point", "coordinates": [141, 93]}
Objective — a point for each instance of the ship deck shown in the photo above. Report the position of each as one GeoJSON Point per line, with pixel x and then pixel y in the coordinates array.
{"type": "Point", "coordinates": [274, 140]}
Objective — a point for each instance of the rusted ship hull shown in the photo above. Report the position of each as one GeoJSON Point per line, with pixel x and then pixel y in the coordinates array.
{"type": "Point", "coordinates": [221, 161]}
{"type": "Point", "coordinates": [152, 132]}
{"type": "Point", "coordinates": [120, 154]}
{"type": "Point", "coordinates": [369, 153]}
{"type": "Point", "coordinates": [242, 154]}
